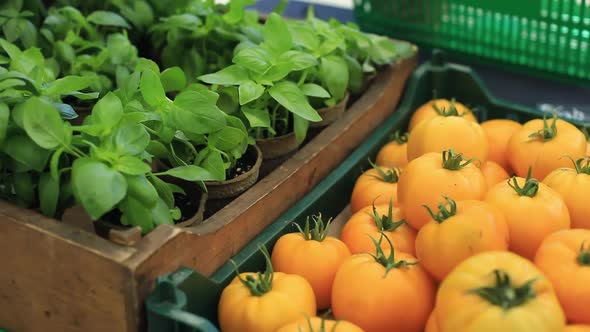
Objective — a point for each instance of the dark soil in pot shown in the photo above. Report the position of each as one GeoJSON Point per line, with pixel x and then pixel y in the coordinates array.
{"type": "Point", "coordinates": [239, 179]}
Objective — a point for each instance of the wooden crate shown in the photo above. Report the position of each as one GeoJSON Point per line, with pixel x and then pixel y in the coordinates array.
{"type": "Point", "coordinates": [58, 278]}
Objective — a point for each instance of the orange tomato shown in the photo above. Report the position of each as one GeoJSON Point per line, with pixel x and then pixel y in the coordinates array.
{"type": "Point", "coordinates": [394, 153]}
{"type": "Point", "coordinates": [264, 302]}
{"type": "Point", "coordinates": [493, 173]}
{"type": "Point", "coordinates": [573, 185]}
{"type": "Point", "coordinates": [431, 323]}
{"type": "Point", "coordinates": [564, 257]}
{"type": "Point", "coordinates": [532, 211]}
{"type": "Point", "coordinates": [383, 293]}
{"type": "Point", "coordinates": [375, 186]}
{"type": "Point", "coordinates": [541, 145]}
{"type": "Point", "coordinates": [432, 175]}
{"type": "Point", "coordinates": [498, 133]}
{"type": "Point", "coordinates": [448, 132]}
{"type": "Point", "coordinates": [440, 107]}
{"type": "Point", "coordinates": [457, 231]}
{"type": "Point", "coordinates": [312, 254]}
{"type": "Point", "coordinates": [577, 328]}
{"type": "Point", "coordinates": [497, 291]}
{"type": "Point", "coordinates": [316, 324]}
{"type": "Point", "coordinates": [371, 221]}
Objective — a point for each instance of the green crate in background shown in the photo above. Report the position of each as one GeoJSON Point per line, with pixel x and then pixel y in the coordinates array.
{"type": "Point", "coordinates": [186, 301]}
{"type": "Point", "coordinates": [550, 38]}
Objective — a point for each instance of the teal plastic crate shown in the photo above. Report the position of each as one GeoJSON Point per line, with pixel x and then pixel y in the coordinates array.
{"type": "Point", "coordinates": [186, 301]}
{"type": "Point", "coordinates": [548, 38]}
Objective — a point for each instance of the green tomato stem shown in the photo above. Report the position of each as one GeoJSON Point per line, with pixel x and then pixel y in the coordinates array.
{"type": "Point", "coordinates": [504, 294]}
{"type": "Point", "coordinates": [319, 232]}
{"type": "Point", "coordinates": [386, 222]}
{"type": "Point", "coordinates": [530, 187]}
{"type": "Point", "coordinates": [584, 255]}
{"type": "Point", "coordinates": [454, 161]}
{"type": "Point", "coordinates": [548, 132]}
{"type": "Point", "coordinates": [262, 282]}
{"type": "Point", "coordinates": [389, 176]}
{"type": "Point", "coordinates": [443, 213]}
{"type": "Point", "coordinates": [388, 262]}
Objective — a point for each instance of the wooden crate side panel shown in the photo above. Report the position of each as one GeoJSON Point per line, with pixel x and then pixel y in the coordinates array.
{"type": "Point", "coordinates": [49, 282]}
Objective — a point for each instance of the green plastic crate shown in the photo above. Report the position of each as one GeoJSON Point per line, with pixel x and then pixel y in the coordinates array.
{"type": "Point", "coordinates": [548, 38]}
{"type": "Point", "coordinates": [187, 301]}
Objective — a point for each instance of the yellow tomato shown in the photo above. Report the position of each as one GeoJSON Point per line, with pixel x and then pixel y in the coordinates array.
{"type": "Point", "coordinates": [264, 302]}
{"type": "Point", "coordinates": [497, 291]}
{"type": "Point", "coordinates": [440, 107]}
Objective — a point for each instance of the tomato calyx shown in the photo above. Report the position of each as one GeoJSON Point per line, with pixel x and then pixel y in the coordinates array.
{"type": "Point", "coordinates": [322, 324]}
{"type": "Point", "coordinates": [443, 213]}
{"type": "Point", "coordinates": [451, 111]}
{"type": "Point", "coordinates": [454, 161]}
{"type": "Point", "coordinates": [261, 283]}
{"type": "Point", "coordinates": [388, 262]}
{"type": "Point", "coordinates": [389, 176]}
{"type": "Point", "coordinates": [319, 232]}
{"type": "Point", "coordinates": [504, 294]}
{"type": "Point", "coordinates": [400, 138]}
{"type": "Point", "coordinates": [530, 187]}
{"type": "Point", "coordinates": [582, 165]}
{"type": "Point", "coordinates": [548, 132]}
{"type": "Point", "coordinates": [386, 222]}
{"type": "Point", "coordinates": [584, 255]}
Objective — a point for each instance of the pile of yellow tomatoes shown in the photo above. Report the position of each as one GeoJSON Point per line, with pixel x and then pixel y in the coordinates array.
{"type": "Point", "coordinates": [459, 226]}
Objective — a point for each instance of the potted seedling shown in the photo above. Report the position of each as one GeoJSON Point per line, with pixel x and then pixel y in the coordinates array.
{"type": "Point", "coordinates": [91, 46]}
{"type": "Point", "coordinates": [274, 108]}
{"type": "Point", "coordinates": [190, 129]}
{"type": "Point", "coordinates": [201, 37]}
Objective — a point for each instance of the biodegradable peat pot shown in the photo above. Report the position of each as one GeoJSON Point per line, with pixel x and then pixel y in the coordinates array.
{"type": "Point", "coordinates": [331, 114]}
{"type": "Point", "coordinates": [250, 165]}
{"type": "Point", "coordinates": [192, 204]}
{"type": "Point", "coordinates": [275, 151]}
{"type": "Point", "coordinates": [277, 147]}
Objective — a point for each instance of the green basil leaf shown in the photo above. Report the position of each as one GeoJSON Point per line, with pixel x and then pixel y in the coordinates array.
{"type": "Point", "coordinates": [197, 112]}
{"type": "Point", "coordinates": [132, 139]}
{"type": "Point", "coordinates": [257, 117]}
{"type": "Point", "coordinates": [48, 194]}
{"type": "Point", "coordinates": [314, 90]}
{"type": "Point", "coordinates": [101, 17]}
{"type": "Point", "coordinates": [304, 35]}
{"type": "Point", "coordinates": [11, 29]}
{"type": "Point", "coordinates": [161, 215]}
{"type": "Point", "coordinates": [298, 60]}
{"type": "Point", "coordinates": [173, 79]}
{"type": "Point", "coordinates": [68, 84]}
{"type": "Point", "coordinates": [355, 70]}
{"type": "Point", "coordinates": [54, 163]}
{"type": "Point", "coordinates": [382, 50]}
{"type": "Point", "coordinates": [108, 111]}
{"type": "Point", "coordinates": [334, 75]}
{"type": "Point", "coordinates": [22, 149]}
{"type": "Point", "coordinates": [157, 149]}
{"type": "Point", "coordinates": [301, 126]}
{"type": "Point", "coordinates": [43, 124]}
{"type": "Point", "coordinates": [132, 166]}
{"type": "Point", "coordinates": [190, 173]}
{"type": "Point", "coordinates": [4, 116]}
{"type": "Point", "coordinates": [24, 187]}
{"type": "Point", "coordinates": [215, 165]}
{"type": "Point", "coordinates": [276, 34]}
{"type": "Point", "coordinates": [277, 72]}
{"type": "Point", "coordinates": [227, 138]}
{"type": "Point", "coordinates": [254, 58]}
{"type": "Point", "coordinates": [142, 190]}
{"type": "Point", "coordinates": [232, 75]}
{"type": "Point", "coordinates": [151, 88]}
{"type": "Point", "coordinates": [65, 51]}
{"type": "Point", "coordinates": [97, 187]}
{"type": "Point", "coordinates": [164, 191]}
{"type": "Point", "coordinates": [11, 49]}
{"type": "Point", "coordinates": [136, 214]}
{"type": "Point", "coordinates": [65, 111]}
{"type": "Point", "coordinates": [290, 97]}
{"type": "Point", "coordinates": [249, 91]}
